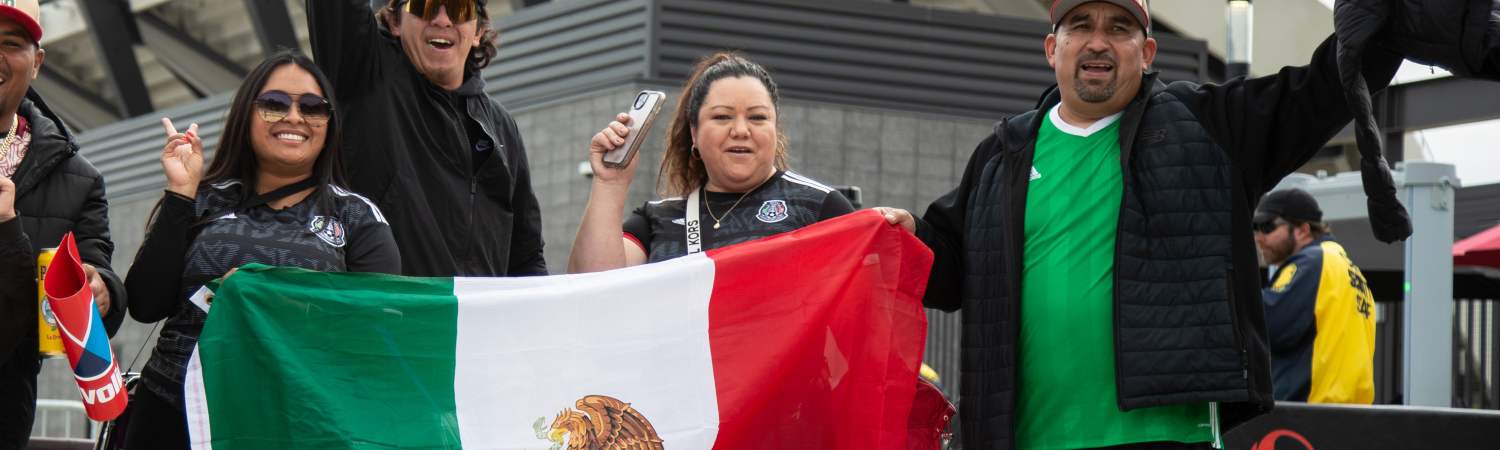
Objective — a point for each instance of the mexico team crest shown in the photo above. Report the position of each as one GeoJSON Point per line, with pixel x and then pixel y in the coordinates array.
{"type": "Point", "coordinates": [772, 211]}
{"type": "Point", "coordinates": [600, 422]}
{"type": "Point", "coordinates": [328, 229]}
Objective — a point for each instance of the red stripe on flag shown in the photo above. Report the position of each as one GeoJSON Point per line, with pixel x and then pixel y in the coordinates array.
{"type": "Point", "coordinates": [817, 335]}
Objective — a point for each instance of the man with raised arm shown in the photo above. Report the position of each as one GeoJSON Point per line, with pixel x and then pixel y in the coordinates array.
{"type": "Point", "coordinates": [442, 160]}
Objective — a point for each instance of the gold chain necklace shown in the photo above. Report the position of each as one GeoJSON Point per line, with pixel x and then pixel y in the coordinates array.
{"type": "Point", "coordinates": [710, 209]}
{"type": "Point", "coordinates": [10, 138]}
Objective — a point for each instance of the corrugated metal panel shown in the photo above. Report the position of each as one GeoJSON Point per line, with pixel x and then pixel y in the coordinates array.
{"type": "Point", "coordinates": [883, 54]}
{"type": "Point", "coordinates": [1477, 209]}
{"type": "Point", "coordinates": [944, 331]}
{"type": "Point", "coordinates": [563, 47]}
{"type": "Point", "coordinates": [128, 152]}
{"type": "Point", "coordinates": [851, 52]}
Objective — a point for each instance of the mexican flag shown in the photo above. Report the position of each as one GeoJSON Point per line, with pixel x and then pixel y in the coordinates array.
{"type": "Point", "coordinates": [809, 339]}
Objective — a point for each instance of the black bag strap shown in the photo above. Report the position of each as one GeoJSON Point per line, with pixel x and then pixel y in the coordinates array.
{"type": "Point", "coordinates": [252, 201]}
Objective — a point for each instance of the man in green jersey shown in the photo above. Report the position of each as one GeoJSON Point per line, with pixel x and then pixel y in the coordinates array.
{"type": "Point", "coordinates": [1101, 247]}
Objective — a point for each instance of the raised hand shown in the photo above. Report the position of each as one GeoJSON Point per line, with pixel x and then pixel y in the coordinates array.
{"type": "Point", "coordinates": [182, 159]}
{"type": "Point", "coordinates": [612, 137]}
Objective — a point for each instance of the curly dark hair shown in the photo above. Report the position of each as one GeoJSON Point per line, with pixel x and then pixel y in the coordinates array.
{"type": "Point", "coordinates": [681, 170]}
{"type": "Point", "coordinates": [479, 56]}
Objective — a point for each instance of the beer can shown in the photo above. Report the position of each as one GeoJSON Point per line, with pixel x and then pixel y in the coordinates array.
{"type": "Point", "coordinates": [49, 341]}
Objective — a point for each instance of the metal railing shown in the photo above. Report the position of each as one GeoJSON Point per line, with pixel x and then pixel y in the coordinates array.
{"type": "Point", "coordinates": [1475, 366]}
{"type": "Point", "coordinates": [65, 415]}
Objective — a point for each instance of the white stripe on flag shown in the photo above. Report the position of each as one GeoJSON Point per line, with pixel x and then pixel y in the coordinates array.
{"type": "Point", "coordinates": [196, 403]}
{"type": "Point", "coordinates": [557, 342]}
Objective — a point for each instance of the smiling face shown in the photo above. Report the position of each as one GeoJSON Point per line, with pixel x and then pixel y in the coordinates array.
{"type": "Point", "coordinates": [736, 134]}
{"type": "Point", "coordinates": [1099, 54]}
{"type": "Point", "coordinates": [439, 48]}
{"type": "Point", "coordinates": [289, 146]}
{"type": "Point", "coordinates": [20, 59]}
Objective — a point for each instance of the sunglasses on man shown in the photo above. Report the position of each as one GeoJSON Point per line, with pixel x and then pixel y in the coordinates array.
{"type": "Point", "coordinates": [459, 11]}
{"type": "Point", "coordinates": [1267, 226]}
{"type": "Point", "coordinates": [275, 106]}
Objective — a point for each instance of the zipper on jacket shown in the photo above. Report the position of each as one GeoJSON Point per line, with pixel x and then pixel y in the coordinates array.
{"type": "Point", "coordinates": [1016, 170]}
{"type": "Point", "coordinates": [473, 189]}
{"type": "Point", "coordinates": [1115, 309]}
{"type": "Point", "coordinates": [1234, 323]}
{"type": "Point", "coordinates": [1130, 123]}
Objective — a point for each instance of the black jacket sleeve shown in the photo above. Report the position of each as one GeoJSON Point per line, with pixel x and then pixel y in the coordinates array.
{"type": "Point", "coordinates": [1274, 124]}
{"type": "Point", "coordinates": [942, 229]}
{"type": "Point", "coordinates": [372, 248]}
{"type": "Point", "coordinates": [1462, 36]}
{"type": "Point", "coordinates": [345, 39]}
{"type": "Point", "coordinates": [91, 233]}
{"type": "Point", "coordinates": [526, 235]}
{"type": "Point", "coordinates": [155, 278]}
{"type": "Point", "coordinates": [18, 297]}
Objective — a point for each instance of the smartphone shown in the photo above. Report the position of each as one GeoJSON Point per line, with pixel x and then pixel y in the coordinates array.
{"type": "Point", "coordinates": [642, 113]}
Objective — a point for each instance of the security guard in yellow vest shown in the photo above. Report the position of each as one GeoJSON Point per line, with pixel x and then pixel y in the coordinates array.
{"type": "Point", "coordinates": [1320, 316]}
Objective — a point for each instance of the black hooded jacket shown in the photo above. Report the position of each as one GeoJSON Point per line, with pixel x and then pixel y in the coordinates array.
{"type": "Point", "coordinates": [457, 205]}
{"type": "Point", "coordinates": [1189, 327]}
{"type": "Point", "coordinates": [57, 191]}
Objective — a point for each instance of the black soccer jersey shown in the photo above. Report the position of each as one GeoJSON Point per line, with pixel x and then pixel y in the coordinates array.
{"type": "Point", "coordinates": [786, 202]}
{"type": "Point", "coordinates": [334, 230]}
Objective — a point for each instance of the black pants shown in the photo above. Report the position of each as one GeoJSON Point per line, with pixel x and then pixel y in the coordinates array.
{"type": "Point", "coordinates": [156, 423]}
{"type": "Point", "coordinates": [1162, 446]}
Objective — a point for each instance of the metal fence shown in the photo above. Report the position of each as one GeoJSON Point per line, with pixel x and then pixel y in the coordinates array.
{"type": "Point", "coordinates": [62, 419]}
{"type": "Point", "coordinates": [1475, 366]}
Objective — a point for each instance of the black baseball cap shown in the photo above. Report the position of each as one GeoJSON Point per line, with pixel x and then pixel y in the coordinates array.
{"type": "Point", "coordinates": [1288, 204]}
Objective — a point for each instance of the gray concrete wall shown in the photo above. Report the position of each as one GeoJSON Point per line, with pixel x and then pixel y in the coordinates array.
{"type": "Point", "coordinates": [898, 158]}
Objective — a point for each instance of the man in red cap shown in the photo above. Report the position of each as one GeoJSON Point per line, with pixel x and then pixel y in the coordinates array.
{"type": "Point", "coordinates": [1101, 247]}
{"type": "Point", "coordinates": [46, 190]}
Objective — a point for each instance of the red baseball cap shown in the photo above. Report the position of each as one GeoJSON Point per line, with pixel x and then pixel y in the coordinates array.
{"type": "Point", "coordinates": [1137, 8]}
{"type": "Point", "coordinates": [24, 12]}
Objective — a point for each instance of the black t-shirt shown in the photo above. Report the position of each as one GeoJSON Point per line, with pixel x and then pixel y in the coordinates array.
{"type": "Point", "coordinates": [786, 202]}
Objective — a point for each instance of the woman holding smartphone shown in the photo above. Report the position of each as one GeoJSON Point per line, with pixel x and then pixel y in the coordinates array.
{"type": "Point", "coordinates": [725, 155]}
{"type": "Point", "coordinates": [272, 195]}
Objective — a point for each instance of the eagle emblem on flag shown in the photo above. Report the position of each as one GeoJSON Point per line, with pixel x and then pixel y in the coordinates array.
{"type": "Point", "coordinates": [601, 422]}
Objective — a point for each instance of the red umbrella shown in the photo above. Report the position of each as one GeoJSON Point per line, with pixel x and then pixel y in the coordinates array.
{"type": "Point", "coordinates": [1482, 249]}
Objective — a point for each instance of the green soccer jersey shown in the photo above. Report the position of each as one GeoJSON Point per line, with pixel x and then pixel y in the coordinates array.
{"type": "Point", "coordinates": [1066, 396]}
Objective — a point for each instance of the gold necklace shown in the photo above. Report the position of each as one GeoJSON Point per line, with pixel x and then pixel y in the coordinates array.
{"type": "Point", "coordinates": [10, 138]}
{"type": "Point", "coordinates": [710, 209]}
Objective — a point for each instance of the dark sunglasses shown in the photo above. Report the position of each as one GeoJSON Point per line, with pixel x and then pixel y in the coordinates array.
{"type": "Point", "coordinates": [274, 106]}
{"type": "Point", "coordinates": [1267, 226]}
{"type": "Point", "coordinates": [459, 11]}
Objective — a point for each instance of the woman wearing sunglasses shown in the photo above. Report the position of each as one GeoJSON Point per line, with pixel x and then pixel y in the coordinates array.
{"type": "Point", "coordinates": [272, 195]}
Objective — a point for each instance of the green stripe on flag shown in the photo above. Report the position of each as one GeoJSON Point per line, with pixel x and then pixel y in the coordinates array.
{"type": "Point", "coordinates": [383, 365]}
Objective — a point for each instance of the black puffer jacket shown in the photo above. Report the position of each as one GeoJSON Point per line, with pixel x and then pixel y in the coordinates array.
{"type": "Point", "coordinates": [57, 191]}
{"type": "Point", "coordinates": [1462, 36]}
{"type": "Point", "coordinates": [1188, 322]}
